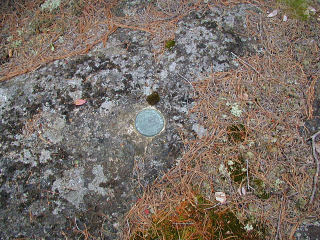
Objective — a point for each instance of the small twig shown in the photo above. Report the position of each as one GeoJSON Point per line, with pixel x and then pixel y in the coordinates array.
{"type": "Point", "coordinates": [261, 27]}
{"type": "Point", "coordinates": [186, 80]}
{"type": "Point", "coordinates": [213, 206]}
{"type": "Point", "coordinates": [279, 220]}
{"type": "Point", "coordinates": [186, 223]}
{"type": "Point", "coordinates": [248, 181]}
{"type": "Point", "coordinates": [30, 216]}
{"type": "Point", "coordinates": [246, 63]}
{"type": "Point", "coordinates": [316, 159]}
{"type": "Point", "coordinates": [75, 222]}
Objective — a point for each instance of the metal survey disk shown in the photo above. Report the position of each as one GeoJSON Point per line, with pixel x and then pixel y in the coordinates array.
{"type": "Point", "coordinates": [149, 122]}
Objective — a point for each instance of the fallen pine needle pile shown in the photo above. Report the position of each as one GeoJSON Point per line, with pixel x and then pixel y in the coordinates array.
{"type": "Point", "coordinates": [252, 175]}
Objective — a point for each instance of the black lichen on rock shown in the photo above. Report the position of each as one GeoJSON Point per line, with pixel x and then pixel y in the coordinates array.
{"type": "Point", "coordinates": [153, 98]}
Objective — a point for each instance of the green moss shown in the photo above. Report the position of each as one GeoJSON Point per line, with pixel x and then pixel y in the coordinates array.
{"type": "Point", "coordinates": [191, 220]}
{"type": "Point", "coordinates": [301, 204]}
{"type": "Point", "coordinates": [230, 225]}
{"type": "Point", "coordinates": [200, 199]}
{"type": "Point", "coordinates": [41, 24]}
{"type": "Point", "coordinates": [169, 44]}
{"type": "Point", "coordinates": [260, 189]}
{"type": "Point", "coordinates": [165, 228]}
{"type": "Point", "coordinates": [237, 169]}
{"type": "Point", "coordinates": [50, 5]}
{"type": "Point", "coordinates": [297, 8]}
{"type": "Point", "coordinates": [236, 133]}
{"type": "Point", "coordinates": [153, 98]}
{"type": "Point", "coordinates": [77, 7]}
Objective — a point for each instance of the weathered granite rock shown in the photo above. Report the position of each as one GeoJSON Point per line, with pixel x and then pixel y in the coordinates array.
{"type": "Point", "coordinates": [65, 167]}
{"type": "Point", "coordinates": [308, 231]}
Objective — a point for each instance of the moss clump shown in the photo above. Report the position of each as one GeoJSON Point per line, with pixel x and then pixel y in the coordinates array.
{"type": "Point", "coordinates": [41, 24]}
{"type": "Point", "coordinates": [260, 189]}
{"type": "Point", "coordinates": [301, 204]}
{"type": "Point", "coordinates": [192, 220]}
{"type": "Point", "coordinates": [230, 224]}
{"type": "Point", "coordinates": [169, 44]}
{"type": "Point", "coordinates": [237, 169]}
{"type": "Point", "coordinates": [153, 98]}
{"type": "Point", "coordinates": [298, 8]}
{"type": "Point", "coordinates": [77, 7]}
{"type": "Point", "coordinates": [236, 133]}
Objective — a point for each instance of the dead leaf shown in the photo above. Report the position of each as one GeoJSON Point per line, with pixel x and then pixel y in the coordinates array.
{"type": "Point", "coordinates": [79, 102]}
{"type": "Point", "coordinates": [273, 14]}
{"type": "Point", "coordinates": [242, 191]}
{"type": "Point", "coordinates": [245, 97]}
{"type": "Point", "coordinates": [10, 53]}
{"type": "Point", "coordinates": [285, 18]}
{"type": "Point", "coordinates": [220, 197]}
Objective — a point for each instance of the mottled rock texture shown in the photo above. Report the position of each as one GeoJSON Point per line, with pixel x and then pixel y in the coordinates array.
{"type": "Point", "coordinates": [65, 167]}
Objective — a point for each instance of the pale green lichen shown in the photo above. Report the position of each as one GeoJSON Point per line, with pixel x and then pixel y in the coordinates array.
{"type": "Point", "coordinates": [223, 170]}
{"type": "Point", "coordinates": [235, 110]}
{"type": "Point", "coordinates": [230, 163]}
{"type": "Point", "coordinates": [50, 5]}
{"type": "Point", "coordinates": [9, 39]}
{"type": "Point", "coordinates": [278, 184]}
{"type": "Point", "coordinates": [16, 43]}
{"type": "Point", "coordinates": [250, 155]}
{"type": "Point", "coordinates": [248, 227]}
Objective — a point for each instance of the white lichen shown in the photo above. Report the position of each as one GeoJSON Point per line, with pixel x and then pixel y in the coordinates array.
{"type": "Point", "coordinates": [230, 163]}
{"type": "Point", "coordinates": [235, 110]}
{"type": "Point", "coordinates": [223, 170]}
{"type": "Point", "coordinates": [50, 5]}
{"type": "Point", "coordinates": [248, 227]}
{"type": "Point", "coordinates": [200, 130]}
{"type": "Point", "coordinates": [278, 183]}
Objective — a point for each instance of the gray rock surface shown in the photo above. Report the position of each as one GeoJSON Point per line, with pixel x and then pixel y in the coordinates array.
{"type": "Point", "coordinates": [65, 168]}
{"type": "Point", "coordinates": [308, 231]}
